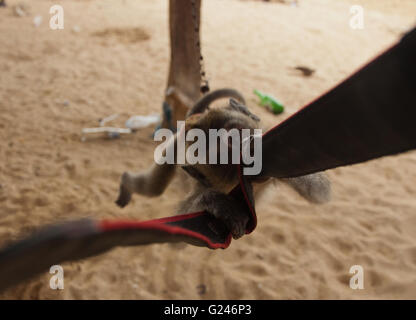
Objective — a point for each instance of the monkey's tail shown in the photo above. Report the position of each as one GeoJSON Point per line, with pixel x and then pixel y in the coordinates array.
{"type": "Point", "coordinates": [209, 98]}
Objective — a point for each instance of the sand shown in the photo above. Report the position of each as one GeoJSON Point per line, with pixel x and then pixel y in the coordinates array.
{"type": "Point", "coordinates": [112, 57]}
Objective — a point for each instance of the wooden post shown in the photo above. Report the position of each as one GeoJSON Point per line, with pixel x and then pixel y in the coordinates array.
{"type": "Point", "coordinates": [183, 87]}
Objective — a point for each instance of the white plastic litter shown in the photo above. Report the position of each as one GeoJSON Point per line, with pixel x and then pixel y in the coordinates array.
{"type": "Point", "coordinates": [108, 119]}
{"type": "Point", "coordinates": [106, 129]}
{"type": "Point", "coordinates": [37, 21]}
{"type": "Point", "coordinates": [134, 123]}
{"type": "Point", "coordinates": [112, 133]}
{"type": "Point", "coordinates": [138, 122]}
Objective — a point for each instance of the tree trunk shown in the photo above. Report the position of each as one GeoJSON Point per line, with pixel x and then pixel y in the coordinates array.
{"type": "Point", "coordinates": [183, 87]}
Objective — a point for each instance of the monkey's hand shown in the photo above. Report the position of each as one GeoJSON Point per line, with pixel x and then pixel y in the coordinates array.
{"type": "Point", "coordinates": [224, 207]}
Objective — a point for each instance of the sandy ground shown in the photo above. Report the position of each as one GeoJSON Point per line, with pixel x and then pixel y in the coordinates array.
{"type": "Point", "coordinates": [54, 83]}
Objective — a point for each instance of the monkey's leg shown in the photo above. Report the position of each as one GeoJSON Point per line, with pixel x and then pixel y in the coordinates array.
{"type": "Point", "coordinates": [221, 205]}
{"type": "Point", "coordinates": [314, 187]}
{"type": "Point", "coordinates": [151, 183]}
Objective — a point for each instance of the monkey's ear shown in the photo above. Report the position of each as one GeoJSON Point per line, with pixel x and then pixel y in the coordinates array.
{"type": "Point", "coordinates": [235, 105]}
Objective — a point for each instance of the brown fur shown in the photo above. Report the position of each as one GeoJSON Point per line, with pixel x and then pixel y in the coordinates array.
{"type": "Point", "coordinates": [212, 183]}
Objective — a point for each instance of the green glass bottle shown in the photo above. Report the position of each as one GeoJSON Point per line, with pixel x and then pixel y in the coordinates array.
{"type": "Point", "coordinates": [270, 102]}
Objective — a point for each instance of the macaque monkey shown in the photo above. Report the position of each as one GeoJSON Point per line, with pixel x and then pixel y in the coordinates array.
{"type": "Point", "coordinates": [213, 182]}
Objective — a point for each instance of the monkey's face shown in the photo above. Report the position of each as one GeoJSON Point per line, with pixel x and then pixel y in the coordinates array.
{"type": "Point", "coordinates": [221, 150]}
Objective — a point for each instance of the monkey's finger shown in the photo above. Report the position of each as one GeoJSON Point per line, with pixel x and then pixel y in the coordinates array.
{"type": "Point", "coordinates": [238, 231]}
{"type": "Point", "coordinates": [236, 223]}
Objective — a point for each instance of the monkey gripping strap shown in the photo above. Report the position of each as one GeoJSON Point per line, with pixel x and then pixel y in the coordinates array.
{"type": "Point", "coordinates": [369, 115]}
